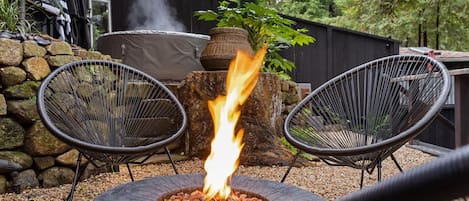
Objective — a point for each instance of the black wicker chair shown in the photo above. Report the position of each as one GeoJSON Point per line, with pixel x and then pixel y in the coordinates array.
{"type": "Point", "coordinates": [445, 178]}
{"type": "Point", "coordinates": [110, 112]}
{"type": "Point", "coordinates": [362, 116]}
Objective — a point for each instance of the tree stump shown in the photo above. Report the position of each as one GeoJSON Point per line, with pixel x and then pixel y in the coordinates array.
{"type": "Point", "coordinates": [261, 117]}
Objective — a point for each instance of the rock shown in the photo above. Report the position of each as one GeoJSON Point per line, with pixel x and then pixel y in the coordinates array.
{"type": "Point", "coordinates": [3, 105]}
{"type": "Point", "coordinates": [290, 98]}
{"type": "Point", "coordinates": [44, 162]}
{"type": "Point", "coordinates": [59, 48]}
{"type": "Point", "coordinates": [56, 176]}
{"type": "Point", "coordinates": [11, 134]}
{"type": "Point", "coordinates": [40, 142]}
{"type": "Point", "coordinates": [11, 52]}
{"type": "Point", "coordinates": [12, 75]}
{"type": "Point", "coordinates": [24, 90]}
{"type": "Point", "coordinates": [285, 85]}
{"type": "Point", "coordinates": [37, 67]}
{"type": "Point", "coordinates": [18, 157]}
{"type": "Point", "coordinates": [93, 55]}
{"type": "Point", "coordinates": [260, 117]}
{"type": "Point", "coordinates": [69, 158]}
{"type": "Point", "coordinates": [24, 110]}
{"type": "Point", "coordinates": [60, 60]}
{"type": "Point", "coordinates": [27, 179]}
{"type": "Point", "coordinates": [32, 49]}
{"type": "Point", "coordinates": [93, 170]}
{"type": "Point", "coordinates": [3, 184]}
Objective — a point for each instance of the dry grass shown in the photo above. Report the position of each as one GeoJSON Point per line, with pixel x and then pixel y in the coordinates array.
{"type": "Point", "coordinates": [327, 181]}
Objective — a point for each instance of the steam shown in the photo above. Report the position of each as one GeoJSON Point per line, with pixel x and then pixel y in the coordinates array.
{"type": "Point", "coordinates": [153, 14]}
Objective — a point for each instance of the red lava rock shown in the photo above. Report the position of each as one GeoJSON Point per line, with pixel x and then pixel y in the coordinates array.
{"type": "Point", "coordinates": [199, 196]}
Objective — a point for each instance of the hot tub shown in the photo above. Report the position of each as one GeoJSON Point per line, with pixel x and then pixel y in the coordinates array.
{"type": "Point", "coordinates": [165, 55]}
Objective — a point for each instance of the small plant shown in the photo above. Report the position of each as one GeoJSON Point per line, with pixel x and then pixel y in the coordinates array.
{"type": "Point", "coordinates": [10, 17]}
{"type": "Point", "coordinates": [295, 150]}
{"type": "Point", "coordinates": [265, 27]}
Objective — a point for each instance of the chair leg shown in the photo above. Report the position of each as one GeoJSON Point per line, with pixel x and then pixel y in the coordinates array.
{"type": "Point", "coordinates": [395, 162]}
{"type": "Point", "coordinates": [379, 169]}
{"type": "Point", "coordinates": [361, 178]}
{"type": "Point", "coordinates": [171, 159]}
{"type": "Point", "coordinates": [289, 167]}
{"type": "Point", "coordinates": [130, 172]}
{"type": "Point", "coordinates": [75, 178]}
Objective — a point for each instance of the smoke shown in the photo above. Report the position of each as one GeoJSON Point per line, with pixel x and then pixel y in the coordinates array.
{"type": "Point", "coordinates": [153, 14]}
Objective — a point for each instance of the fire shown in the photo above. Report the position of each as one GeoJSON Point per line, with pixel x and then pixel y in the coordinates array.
{"type": "Point", "coordinates": [225, 111]}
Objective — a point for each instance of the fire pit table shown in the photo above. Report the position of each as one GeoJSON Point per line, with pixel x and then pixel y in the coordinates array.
{"type": "Point", "coordinates": [158, 188]}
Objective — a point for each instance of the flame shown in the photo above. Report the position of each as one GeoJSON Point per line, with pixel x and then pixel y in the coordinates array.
{"type": "Point", "coordinates": [225, 111]}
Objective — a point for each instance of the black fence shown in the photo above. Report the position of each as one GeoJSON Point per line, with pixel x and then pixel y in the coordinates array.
{"type": "Point", "coordinates": [334, 51]}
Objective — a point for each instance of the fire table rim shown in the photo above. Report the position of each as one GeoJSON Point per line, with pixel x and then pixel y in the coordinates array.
{"type": "Point", "coordinates": [154, 188]}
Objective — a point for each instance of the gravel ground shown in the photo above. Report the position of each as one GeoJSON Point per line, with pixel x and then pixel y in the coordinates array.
{"type": "Point", "coordinates": [329, 182]}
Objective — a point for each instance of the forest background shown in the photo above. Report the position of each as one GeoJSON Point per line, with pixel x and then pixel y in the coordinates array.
{"type": "Point", "coordinates": [437, 24]}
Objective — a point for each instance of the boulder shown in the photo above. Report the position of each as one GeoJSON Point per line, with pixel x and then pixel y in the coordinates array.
{"type": "Point", "coordinates": [44, 162]}
{"type": "Point", "coordinates": [93, 170]}
{"type": "Point", "coordinates": [69, 158]}
{"type": "Point", "coordinates": [3, 105]}
{"type": "Point", "coordinates": [11, 134]}
{"type": "Point", "coordinates": [18, 157]}
{"type": "Point", "coordinates": [93, 55]}
{"type": "Point", "coordinates": [59, 48]}
{"type": "Point", "coordinates": [37, 67]}
{"type": "Point", "coordinates": [24, 110]}
{"type": "Point", "coordinates": [27, 179]}
{"type": "Point", "coordinates": [56, 176]}
{"type": "Point", "coordinates": [260, 117]}
{"type": "Point", "coordinates": [3, 184]}
{"type": "Point", "coordinates": [11, 52]}
{"type": "Point", "coordinates": [60, 60]}
{"type": "Point", "coordinates": [12, 75]}
{"type": "Point", "coordinates": [40, 142]}
{"type": "Point", "coordinates": [32, 49]}
{"type": "Point", "coordinates": [24, 90]}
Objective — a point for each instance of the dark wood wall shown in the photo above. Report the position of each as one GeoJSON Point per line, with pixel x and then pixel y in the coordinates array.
{"type": "Point", "coordinates": [335, 49]}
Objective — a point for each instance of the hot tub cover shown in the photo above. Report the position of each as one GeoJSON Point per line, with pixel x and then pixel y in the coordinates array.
{"type": "Point", "coordinates": [164, 55]}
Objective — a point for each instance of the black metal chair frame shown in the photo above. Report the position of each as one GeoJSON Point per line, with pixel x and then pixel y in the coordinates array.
{"type": "Point", "coordinates": [445, 178]}
{"type": "Point", "coordinates": [127, 154]}
{"type": "Point", "coordinates": [378, 149]}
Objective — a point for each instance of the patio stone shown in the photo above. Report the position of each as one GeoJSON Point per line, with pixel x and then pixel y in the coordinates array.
{"type": "Point", "coordinates": [11, 134]}
{"type": "Point", "coordinates": [12, 75]}
{"type": "Point", "coordinates": [11, 52]}
{"type": "Point", "coordinates": [32, 49]}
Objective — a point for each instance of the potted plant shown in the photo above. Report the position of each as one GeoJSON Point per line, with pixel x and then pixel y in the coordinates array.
{"type": "Point", "coordinates": [11, 19]}
{"type": "Point", "coordinates": [265, 27]}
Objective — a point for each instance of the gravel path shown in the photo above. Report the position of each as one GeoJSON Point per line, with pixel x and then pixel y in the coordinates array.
{"type": "Point", "coordinates": [329, 182]}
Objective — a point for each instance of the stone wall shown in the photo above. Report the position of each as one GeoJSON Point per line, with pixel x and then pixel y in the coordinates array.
{"type": "Point", "coordinates": [45, 161]}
